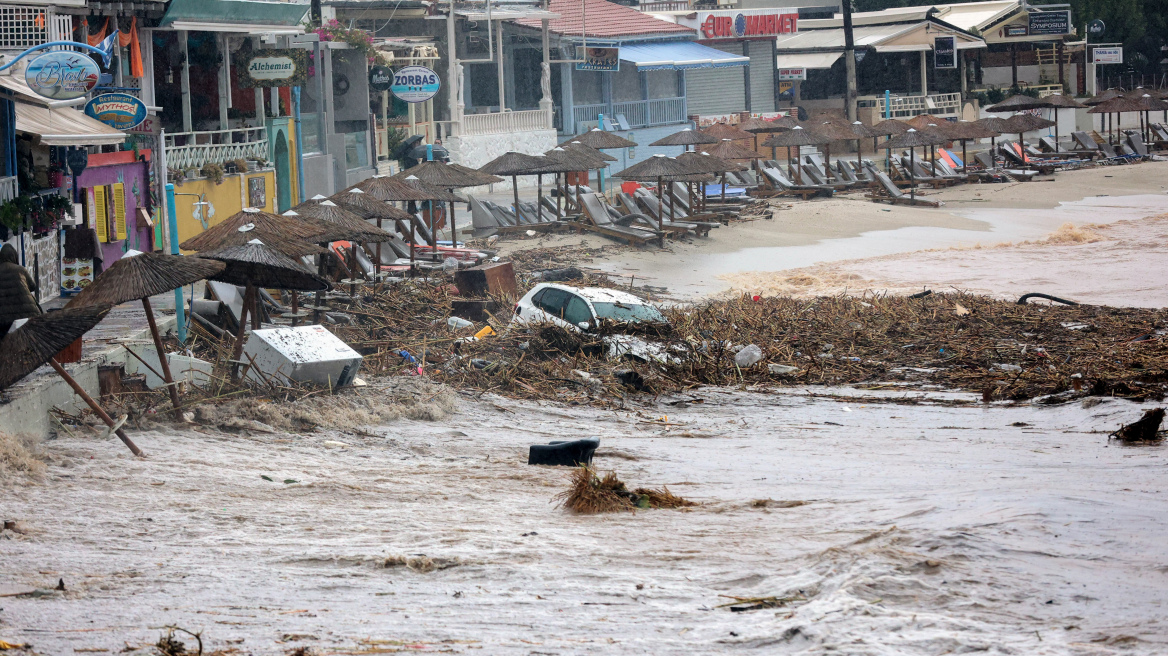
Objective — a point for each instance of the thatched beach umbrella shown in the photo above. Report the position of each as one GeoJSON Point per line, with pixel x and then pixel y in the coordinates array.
{"type": "Point", "coordinates": [345, 224]}
{"type": "Point", "coordinates": [703, 162]}
{"type": "Point", "coordinates": [1140, 105]}
{"type": "Point", "coordinates": [836, 132]}
{"type": "Point", "coordinates": [657, 167]}
{"type": "Point", "coordinates": [994, 124]}
{"type": "Point", "coordinates": [601, 140]}
{"type": "Point", "coordinates": [1022, 123]}
{"type": "Point", "coordinates": [139, 277]}
{"type": "Point", "coordinates": [963, 131]}
{"type": "Point", "coordinates": [516, 164]}
{"type": "Point", "coordinates": [727, 131]}
{"type": "Point", "coordinates": [40, 339]}
{"type": "Point", "coordinates": [911, 140]}
{"type": "Point", "coordinates": [728, 150]}
{"type": "Point", "coordinates": [226, 233]}
{"type": "Point", "coordinates": [366, 206]}
{"type": "Point", "coordinates": [449, 177]}
{"type": "Point", "coordinates": [796, 138]}
{"type": "Point", "coordinates": [578, 160]}
{"type": "Point", "coordinates": [256, 265]}
{"type": "Point", "coordinates": [685, 138]}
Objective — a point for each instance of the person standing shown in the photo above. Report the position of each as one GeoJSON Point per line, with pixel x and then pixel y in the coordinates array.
{"type": "Point", "coordinates": [17, 290]}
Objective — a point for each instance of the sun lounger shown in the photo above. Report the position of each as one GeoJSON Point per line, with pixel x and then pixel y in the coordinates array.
{"type": "Point", "coordinates": [598, 220]}
{"type": "Point", "coordinates": [1085, 141]}
{"type": "Point", "coordinates": [680, 219]}
{"type": "Point", "coordinates": [889, 192]}
{"type": "Point", "coordinates": [845, 172]}
{"type": "Point", "coordinates": [1136, 141]}
{"type": "Point", "coordinates": [780, 180]}
{"type": "Point", "coordinates": [482, 220]}
{"type": "Point", "coordinates": [1160, 131]}
{"type": "Point", "coordinates": [1049, 145]}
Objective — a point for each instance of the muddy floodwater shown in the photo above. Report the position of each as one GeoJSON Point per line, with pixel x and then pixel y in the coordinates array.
{"type": "Point", "coordinates": [889, 529]}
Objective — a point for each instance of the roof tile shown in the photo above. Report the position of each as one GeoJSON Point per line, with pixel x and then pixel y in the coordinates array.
{"type": "Point", "coordinates": [605, 20]}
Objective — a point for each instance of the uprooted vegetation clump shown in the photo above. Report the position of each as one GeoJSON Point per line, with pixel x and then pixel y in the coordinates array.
{"type": "Point", "coordinates": [591, 494]}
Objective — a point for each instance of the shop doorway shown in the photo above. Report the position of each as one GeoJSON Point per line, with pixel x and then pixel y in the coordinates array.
{"type": "Point", "coordinates": [283, 174]}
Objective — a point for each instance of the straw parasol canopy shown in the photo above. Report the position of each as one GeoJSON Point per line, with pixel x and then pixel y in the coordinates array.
{"type": "Point", "coordinates": [890, 127]}
{"type": "Point", "coordinates": [224, 234]}
{"type": "Point", "coordinates": [653, 168]}
{"type": "Point", "coordinates": [257, 264]}
{"type": "Point", "coordinates": [386, 188]}
{"type": "Point", "coordinates": [835, 131]}
{"type": "Point", "coordinates": [727, 149]}
{"type": "Point", "coordinates": [995, 124]}
{"type": "Point", "coordinates": [796, 137]}
{"type": "Point", "coordinates": [513, 163]}
{"type": "Point", "coordinates": [601, 139]}
{"type": "Point", "coordinates": [366, 206]}
{"type": "Point", "coordinates": [915, 139]}
{"type": "Point", "coordinates": [43, 336]}
{"type": "Point", "coordinates": [347, 225]}
{"type": "Point", "coordinates": [755, 124]}
{"type": "Point", "coordinates": [1026, 122]}
{"type": "Point", "coordinates": [1103, 97]}
{"type": "Point", "coordinates": [727, 131]}
{"type": "Point", "coordinates": [591, 152]}
{"type": "Point", "coordinates": [142, 276]}
{"type": "Point", "coordinates": [964, 130]}
{"type": "Point", "coordinates": [442, 175]}
{"type": "Point", "coordinates": [578, 160]}
{"type": "Point", "coordinates": [686, 137]}
{"type": "Point", "coordinates": [482, 178]}
{"type": "Point", "coordinates": [1144, 103]}
{"type": "Point", "coordinates": [1022, 102]}
{"type": "Point", "coordinates": [703, 162]}
{"type": "Point", "coordinates": [860, 130]}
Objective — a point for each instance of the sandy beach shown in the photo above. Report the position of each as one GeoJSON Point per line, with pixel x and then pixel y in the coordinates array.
{"type": "Point", "coordinates": [745, 256]}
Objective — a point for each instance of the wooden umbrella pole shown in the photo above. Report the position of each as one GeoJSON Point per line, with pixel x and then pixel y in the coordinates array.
{"type": "Point", "coordinates": [453, 233]}
{"type": "Point", "coordinates": [798, 166]}
{"type": "Point", "coordinates": [827, 161]}
{"type": "Point", "coordinates": [912, 178]}
{"type": "Point", "coordinates": [296, 295]}
{"type": "Point", "coordinates": [413, 210]}
{"type": "Point", "coordinates": [515, 189]}
{"type": "Point", "coordinates": [77, 389]}
{"type": "Point", "coordinates": [166, 377]}
{"type": "Point", "coordinates": [538, 197]}
{"type": "Point", "coordinates": [859, 155]}
{"type": "Point", "coordinates": [377, 269]}
{"type": "Point", "coordinates": [237, 350]}
{"type": "Point", "coordinates": [433, 234]}
{"type": "Point", "coordinates": [964, 159]}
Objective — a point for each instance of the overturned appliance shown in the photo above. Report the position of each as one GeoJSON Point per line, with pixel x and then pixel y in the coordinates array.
{"type": "Point", "coordinates": [306, 354]}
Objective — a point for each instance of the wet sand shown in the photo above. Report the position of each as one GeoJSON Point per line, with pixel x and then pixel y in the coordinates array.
{"type": "Point", "coordinates": [897, 529]}
{"type": "Point", "coordinates": [806, 233]}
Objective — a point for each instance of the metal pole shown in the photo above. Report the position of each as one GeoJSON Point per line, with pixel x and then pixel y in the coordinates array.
{"type": "Point", "coordinates": [849, 60]}
{"type": "Point", "coordinates": [180, 317]}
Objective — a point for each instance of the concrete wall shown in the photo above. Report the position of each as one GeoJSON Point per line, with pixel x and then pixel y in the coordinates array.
{"type": "Point", "coordinates": [1003, 77]}
{"type": "Point", "coordinates": [474, 151]}
{"type": "Point", "coordinates": [226, 198]}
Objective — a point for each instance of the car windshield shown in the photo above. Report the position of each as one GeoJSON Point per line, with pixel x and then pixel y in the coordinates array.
{"type": "Point", "coordinates": [627, 312]}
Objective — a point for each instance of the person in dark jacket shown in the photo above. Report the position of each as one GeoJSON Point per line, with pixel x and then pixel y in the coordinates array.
{"type": "Point", "coordinates": [17, 290]}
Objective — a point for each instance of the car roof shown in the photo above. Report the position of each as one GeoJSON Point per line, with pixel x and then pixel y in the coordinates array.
{"type": "Point", "coordinates": [601, 294]}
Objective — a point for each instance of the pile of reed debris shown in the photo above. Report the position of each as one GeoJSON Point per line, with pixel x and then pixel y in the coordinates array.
{"type": "Point", "coordinates": [956, 341]}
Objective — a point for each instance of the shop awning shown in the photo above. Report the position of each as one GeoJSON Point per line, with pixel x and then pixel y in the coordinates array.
{"type": "Point", "coordinates": [245, 16]}
{"type": "Point", "coordinates": [678, 55]}
{"type": "Point", "coordinates": [808, 59]}
{"type": "Point", "coordinates": [64, 126]}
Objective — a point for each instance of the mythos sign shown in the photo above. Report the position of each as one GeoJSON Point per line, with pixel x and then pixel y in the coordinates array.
{"type": "Point", "coordinates": [62, 75]}
{"type": "Point", "coordinates": [415, 84]}
{"type": "Point", "coordinates": [117, 110]}
{"type": "Point", "coordinates": [745, 24]}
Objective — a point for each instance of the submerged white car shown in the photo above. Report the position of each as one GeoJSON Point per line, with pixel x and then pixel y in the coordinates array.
{"type": "Point", "coordinates": [581, 308]}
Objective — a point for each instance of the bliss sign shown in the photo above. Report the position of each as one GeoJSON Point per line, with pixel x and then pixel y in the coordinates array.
{"type": "Point", "coordinates": [62, 75]}
{"type": "Point", "coordinates": [415, 84]}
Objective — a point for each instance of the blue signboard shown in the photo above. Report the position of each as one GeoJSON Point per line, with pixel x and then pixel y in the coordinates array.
{"type": "Point", "coordinates": [62, 75]}
{"type": "Point", "coordinates": [415, 84]}
{"type": "Point", "coordinates": [117, 110]}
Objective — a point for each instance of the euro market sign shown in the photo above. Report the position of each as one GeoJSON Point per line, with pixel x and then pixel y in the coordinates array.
{"type": "Point", "coordinates": [118, 110]}
{"type": "Point", "coordinates": [415, 84]}
{"type": "Point", "coordinates": [62, 75]}
{"type": "Point", "coordinates": [735, 24]}
{"type": "Point", "coordinates": [274, 68]}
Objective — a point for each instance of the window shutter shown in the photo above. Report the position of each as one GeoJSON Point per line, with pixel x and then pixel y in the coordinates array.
{"type": "Point", "coordinates": [119, 192]}
{"type": "Point", "coordinates": [99, 213]}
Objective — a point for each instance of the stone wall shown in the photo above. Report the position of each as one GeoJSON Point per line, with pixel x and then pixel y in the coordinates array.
{"type": "Point", "coordinates": [474, 151]}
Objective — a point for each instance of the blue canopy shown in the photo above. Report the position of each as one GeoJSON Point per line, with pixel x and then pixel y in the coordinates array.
{"type": "Point", "coordinates": [678, 55]}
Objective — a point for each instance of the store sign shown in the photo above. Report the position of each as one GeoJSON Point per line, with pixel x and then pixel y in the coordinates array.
{"type": "Point", "coordinates": [945, 52]}
{"type": "Point", "coordinates": [150, 126]}
{"type": "Point", "coordinates": [274, 68]}
{"type": "Point", "coordinates": [1050, 22]}
{"type": "Point", "coordinates": [598, 59]}
{"type": "Point", "coordinates": [1107, 56]}
{"type": "Point", "coordinates": [120, 111]}
{"type": "Point", "coordinates": [380, 78]}
{"type": "Point", "coordinates": [790, 74]}
{"type": "Point", "coordinates": [1015, 30]}
{"type": "Point", "coordinates": [730, 24]}
{"type": "Point", "coordinates": [62, 75]}
{"type": "Point", "coordinates": [1096, 27]}
{"type": "Point", "coordinates": [415, 84]}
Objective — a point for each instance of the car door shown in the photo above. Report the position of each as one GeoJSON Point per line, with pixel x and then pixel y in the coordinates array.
{"type": "Point", "coordinates": [551, 304]}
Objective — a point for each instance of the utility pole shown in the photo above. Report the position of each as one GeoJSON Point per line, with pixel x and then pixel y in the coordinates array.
{"type": "Point", "coordinates": [850, 60]}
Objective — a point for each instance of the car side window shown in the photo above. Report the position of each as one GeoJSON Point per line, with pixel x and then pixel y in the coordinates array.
{"type": "Point", "coordinates": [538, 295]}
{"type": "Point", "coordinates": [577, 310]}
{"type": "Point", "coordinates": [552, 301]}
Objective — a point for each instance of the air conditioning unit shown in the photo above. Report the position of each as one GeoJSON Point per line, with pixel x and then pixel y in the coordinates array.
{"type": "Point", "coordinates": [304, 354]}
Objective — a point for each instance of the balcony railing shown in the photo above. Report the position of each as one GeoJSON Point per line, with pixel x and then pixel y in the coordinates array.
{"type": "Point", "coordinates": [505, 122]}
{"type": "Point", "coordinates": [665, 5]}
{"type": "Point", "coordinates": [8, 188]}
{"type": "Point", "coordinates": [638, 113]}
{"type": "Point", "coordinates": [187, 150]}
{"type": "Point", "coordinates": [941, 104]}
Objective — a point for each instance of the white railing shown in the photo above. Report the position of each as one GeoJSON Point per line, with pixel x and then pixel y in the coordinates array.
{"type": "Point", "coordinates": [187, 150]}
{"type": "Point", "coordinates": [8, 188]}
{"type": "Point", "coordinates": [941, 104]}
{"type": "Point", "coordinates": [638, 113]}
{"type": "Point", "coordinates": [504, 122]}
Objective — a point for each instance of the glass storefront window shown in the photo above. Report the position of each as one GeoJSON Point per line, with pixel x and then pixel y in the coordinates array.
{"type": "Point", "coordinates": [356, 150]}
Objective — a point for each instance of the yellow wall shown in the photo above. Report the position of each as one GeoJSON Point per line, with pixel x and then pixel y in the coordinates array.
{"type": "Point", "coordinates": [228, 198]}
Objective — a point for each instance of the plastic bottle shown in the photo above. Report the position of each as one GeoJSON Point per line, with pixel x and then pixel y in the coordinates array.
{"type": "Point", "coordinates": [748, 356]}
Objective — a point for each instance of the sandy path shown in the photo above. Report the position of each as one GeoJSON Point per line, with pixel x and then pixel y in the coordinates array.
{"type": "Point", "coordinates": [909, 530]}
